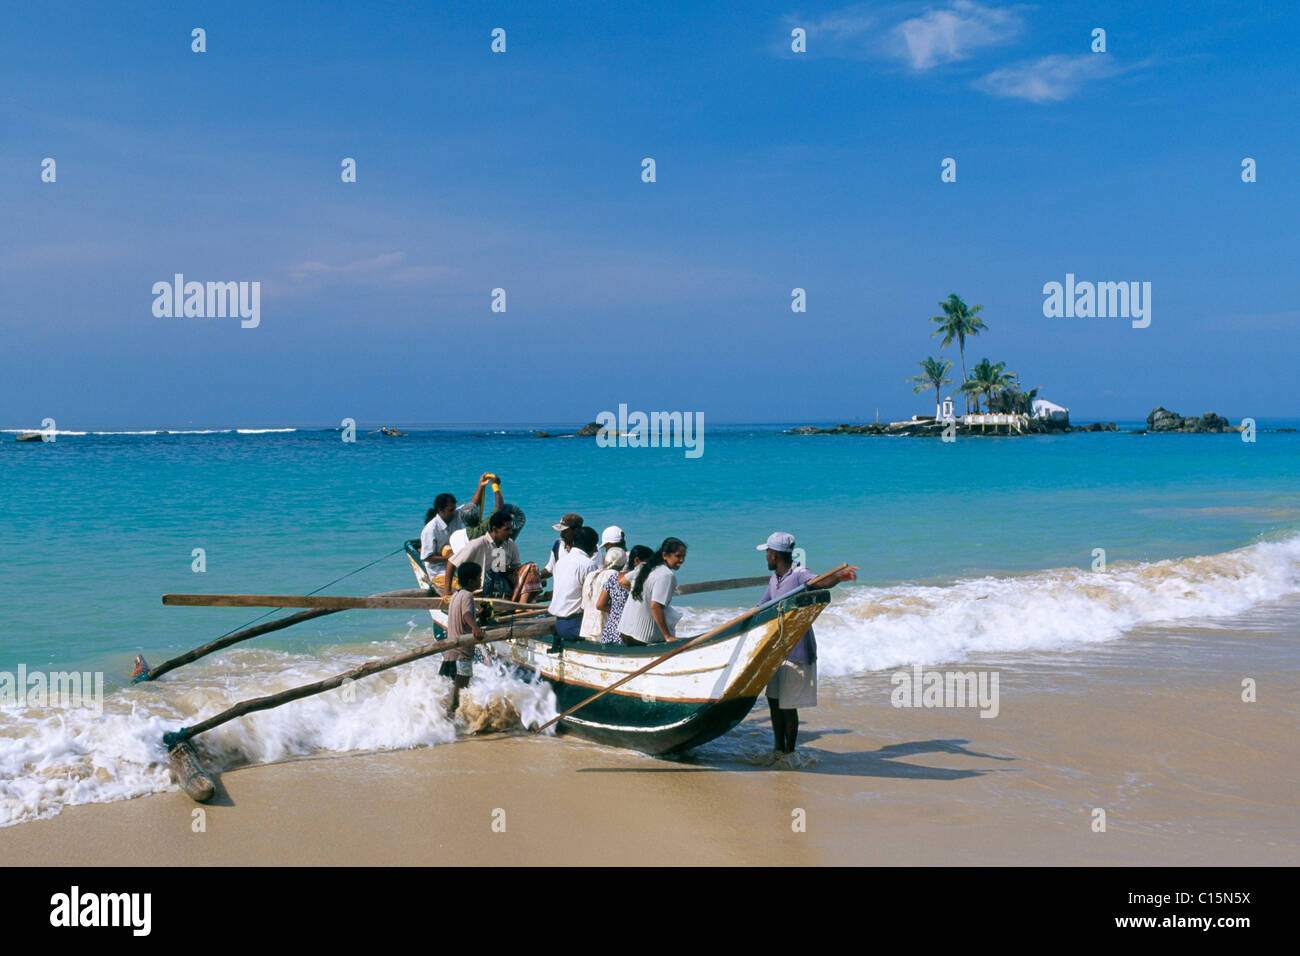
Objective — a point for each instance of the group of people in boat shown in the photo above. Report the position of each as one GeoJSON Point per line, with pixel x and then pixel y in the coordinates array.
{"type": "Point", "coordinates": [601, 590]}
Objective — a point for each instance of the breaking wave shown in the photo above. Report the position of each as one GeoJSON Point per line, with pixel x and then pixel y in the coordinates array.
{"type": "Point", "coordinates": [868, 629]}
{"type": "Point", "coordinates": [51, 758]}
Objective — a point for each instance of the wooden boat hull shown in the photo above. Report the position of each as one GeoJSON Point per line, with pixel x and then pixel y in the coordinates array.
{"type": "Point", "coordinates": [690, 699]}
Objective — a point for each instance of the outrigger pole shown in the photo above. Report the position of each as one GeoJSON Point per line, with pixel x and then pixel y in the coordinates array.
{"type": "Point", "coordinates": [184, 760]}
{"type": "Point", "coordinates": [143, 672]}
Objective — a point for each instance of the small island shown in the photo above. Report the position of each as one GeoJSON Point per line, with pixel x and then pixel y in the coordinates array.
{"type": "Point", "coordinates": [1008, 409]}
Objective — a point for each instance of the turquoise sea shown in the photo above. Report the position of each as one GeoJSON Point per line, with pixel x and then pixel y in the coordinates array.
{"type": "Point", "coordinates": [984, 547]}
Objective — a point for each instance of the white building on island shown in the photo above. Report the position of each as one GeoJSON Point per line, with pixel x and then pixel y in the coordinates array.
{"type": "Point", "coordinates": [1050, 411]}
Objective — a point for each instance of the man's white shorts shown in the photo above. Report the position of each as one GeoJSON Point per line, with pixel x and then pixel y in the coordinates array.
{"type": "Point", "coordinates": [794, 686]}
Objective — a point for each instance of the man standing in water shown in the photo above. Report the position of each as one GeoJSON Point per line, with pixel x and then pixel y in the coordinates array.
{"type": "Point", "coordinates": [795, 684]}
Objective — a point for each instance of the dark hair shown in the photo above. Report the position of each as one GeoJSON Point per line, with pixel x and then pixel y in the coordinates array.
{"type": "Point", "coordinates": [468, 573]}
{"type": "Point", "coordinates": [638, 555]}
{"type": "Point", "coordinates": [670, 546]}
{"type": "Point", "coordinates": [440, 502]}
{"type": "Point", "coordinates": [500, 517]}
{"type": "Point", "coordinates": [585, 539]}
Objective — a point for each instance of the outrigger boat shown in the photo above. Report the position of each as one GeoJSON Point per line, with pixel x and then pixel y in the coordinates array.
{"type": "Point", "coordinates": [659, 699]}
{"type": "Point", "coordinates": [688, 700]}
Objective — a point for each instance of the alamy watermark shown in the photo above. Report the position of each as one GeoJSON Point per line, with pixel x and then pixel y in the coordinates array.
{"type": "Point", "coordinates": [922, 688]}
{"type": "Point", "coordinates": [208, 300]}
{"type": "Point", "coordinates": [129, 910]}
{"type": "Point", "coordinates": [653, 430]}
{"type": "Point", "coordinates": [65, 690]}
{"type": "Point", "coordinates": [1102, 300]}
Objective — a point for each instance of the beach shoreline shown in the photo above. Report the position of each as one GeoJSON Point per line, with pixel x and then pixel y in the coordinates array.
{"type": "Point", "coordinates": [1187, 772]}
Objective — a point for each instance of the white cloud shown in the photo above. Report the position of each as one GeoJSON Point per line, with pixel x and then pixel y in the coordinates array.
{"type": "Point", "coordinates": [947, 35]}
{"type": "Point", "coordinates": [925, 39]}
{"type": "Point", "coordinates": [847, 24]}
{"type": "Point", "coordinates": [1048, 79]}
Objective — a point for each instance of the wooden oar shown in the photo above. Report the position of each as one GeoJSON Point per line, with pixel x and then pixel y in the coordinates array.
{"type": "Point", "coordinates": [700, 587]}
{"type": "Point", "coordinates": [514, 615]}
{"type": "Point", "coordinates": [501, 632]}
{"type": "Point", "coordinates": [412, 599]}
{"type": "Point", "coordinates": [328, 601]}
{"type": "Point", "coordinates": [258, 630]}
{"type": "Point", "coordinates": [811, 585]}
{"type": "Point", "coordinates": [542, 601]}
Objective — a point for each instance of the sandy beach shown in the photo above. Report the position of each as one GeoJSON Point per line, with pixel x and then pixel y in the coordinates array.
{"type": "Point", "coordinates": [1186, 771]}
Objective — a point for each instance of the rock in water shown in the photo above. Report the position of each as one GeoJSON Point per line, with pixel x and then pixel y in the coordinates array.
{"type": "Point", "coordinates": [1162, 419]}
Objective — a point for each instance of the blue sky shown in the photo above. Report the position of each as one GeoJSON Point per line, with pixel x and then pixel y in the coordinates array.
{"type": "Point", "coordinates": [522, 170]}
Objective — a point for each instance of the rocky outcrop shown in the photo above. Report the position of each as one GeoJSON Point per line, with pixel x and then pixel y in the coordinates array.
{"type": "Point", "coordinates": [871, 429]}
{"type": "Point", "coordinates": [586, 431]}
{"type": "Point", "coordinates": [1162, 419]}
{"type": "Point", "coordinates": [1095, 427]}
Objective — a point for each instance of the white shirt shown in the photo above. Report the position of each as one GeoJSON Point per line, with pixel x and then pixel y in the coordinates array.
{"type": "Point", "coordinates": [437, 533]}
{"type": "Point", "coordinates": [593, 619]}
{"type": "Point", "coordinates": [637, 622]}
{"type": "Point", "coordinates": [488, 556]}
{"type": "Point", "coordinates": [555, 555]}
{"type": "Point", "coordinates": [570, 571]}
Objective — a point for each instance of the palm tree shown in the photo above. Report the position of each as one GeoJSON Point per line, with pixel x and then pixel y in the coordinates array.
{"type": "Point", "coordinates": [1013, 400]}
{"type": "Point", "coordinates": [932, 375]}
{"type": "Point", "coordinates": [957, 322]}
{"type": "Point", "coordinates": [987, 378]}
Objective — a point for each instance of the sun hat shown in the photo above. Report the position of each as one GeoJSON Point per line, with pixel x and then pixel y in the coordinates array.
{"type": "Point", "coordinates": [778, 541]}
{"type": "Point", "coordinates": [570, 520]}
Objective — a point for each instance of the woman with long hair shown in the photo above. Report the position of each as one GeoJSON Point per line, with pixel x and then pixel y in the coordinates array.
{"type": "Point", "coordinates": [613, 595]}
{"type": "Point", "coordinates": [647, 615]}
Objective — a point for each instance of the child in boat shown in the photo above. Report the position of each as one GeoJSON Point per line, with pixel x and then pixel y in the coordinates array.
{"type": "Point", "coordinates": [458, 663]}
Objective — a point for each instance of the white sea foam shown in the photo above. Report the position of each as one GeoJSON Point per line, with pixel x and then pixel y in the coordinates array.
{"type": "Point", "coordinates": [156, 431]}
{"type": "Point", "coordinates": [51, 759]}
{"type": "Point", "coordinates": [24, 431]}
{"type": "Point", "coordinates": [868, 629]}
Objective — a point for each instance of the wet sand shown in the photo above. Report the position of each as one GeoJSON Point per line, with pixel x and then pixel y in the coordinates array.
{"type": "Point", "coordinates": [1186, 772]}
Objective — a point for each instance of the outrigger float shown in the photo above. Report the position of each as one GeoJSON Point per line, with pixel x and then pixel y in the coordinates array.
{"type": "Point", "coordinates": [659, 699]}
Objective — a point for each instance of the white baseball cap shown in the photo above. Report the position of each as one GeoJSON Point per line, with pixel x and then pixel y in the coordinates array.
{"type": "Point", "coordinates": [778, 541]}
{"type": "Point", "coordinates": [611, 535]}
